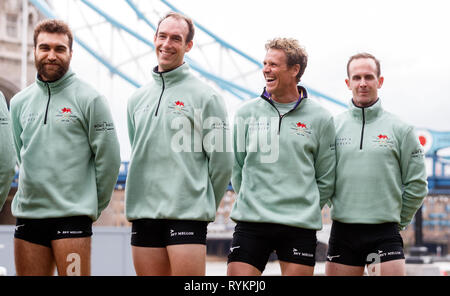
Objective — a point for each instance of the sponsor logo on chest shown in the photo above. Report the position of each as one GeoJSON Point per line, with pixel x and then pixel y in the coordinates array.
{"type": "Point", "coordinates": [383, 140]}
{"type": "Point", "coordinates": [66, 115]}
{"type": "Point", "coordinates": [3, 120]}
{"type": "Point", "coordinates": [343, 141]}
{"type": "Point", "coordinates": [178, 107]}
{"type": "Point", "coordinates": [301, 128]}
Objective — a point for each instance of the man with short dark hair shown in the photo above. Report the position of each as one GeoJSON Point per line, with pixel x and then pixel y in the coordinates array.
{"type": "Point", "coordinates": [180, 166]}
{"type": "Point", "coordinates": [69, 159]}
{"type": "Point", "coordinates": [381, 179]}
{"type": "Point", "coordinates": [283, 169]}
{"type": "Point", "coordinates": [7, 153]}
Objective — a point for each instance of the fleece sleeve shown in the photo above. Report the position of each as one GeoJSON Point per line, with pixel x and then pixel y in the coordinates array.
{"type": "Point", "coordinates": [7, 153]}
{"type": "Point", "coordinates": [414, 177]}
{"type": "Point", "coordinates": [239, 152]}
{"type": "Point", "coordinates": [217, 144]}
{"type": "Point", "coordinates": [105, 148]}
{"type": "Point", "coordinates": [325, 162]}
{"type": "Point", "coordinates": [16, 129]}
{"type": "Point", "coordinates": [130, 122]}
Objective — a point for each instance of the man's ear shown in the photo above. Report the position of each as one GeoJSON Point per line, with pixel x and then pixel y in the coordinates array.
{"type": "Point", "coordinates": [347, 81]}
{"type": "Point", "coordinates": [380, 81]}
{"type": "Point", "coordinates": [296, 69]}
{"type": "Point", "coordinates": [189, 45]}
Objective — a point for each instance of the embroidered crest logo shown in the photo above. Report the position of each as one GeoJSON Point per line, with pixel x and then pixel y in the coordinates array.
{"type": "Point", "coordinates": [66, 115]}
{"type": "Point", "coordinates": [301, 129]}
{"type": "Point", "coordinates": [178, 107]}
{"type": "Point", "coordinates": [383, 141]}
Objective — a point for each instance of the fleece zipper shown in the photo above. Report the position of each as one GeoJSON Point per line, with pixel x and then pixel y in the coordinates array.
{"type": "Point", "coordinates": [48, 102]}
{"type": "Point", "coordinates": [162, 92]}
{"type": "Point", "coordinates": [279, 114]}
{"type": "Point", "coordinates": [362, 129]}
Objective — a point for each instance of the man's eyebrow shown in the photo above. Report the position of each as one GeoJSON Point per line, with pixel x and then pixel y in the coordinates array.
{"type": "Point", "coordinates": [48, 45]}
{"type": "Point", "coordinates": [171, 35]}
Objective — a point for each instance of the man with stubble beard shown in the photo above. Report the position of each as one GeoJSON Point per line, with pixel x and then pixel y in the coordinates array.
{"type": "Point", "coordinates": [68, 156]}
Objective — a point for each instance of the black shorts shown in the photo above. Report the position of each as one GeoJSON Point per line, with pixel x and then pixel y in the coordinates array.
{"type": "Point", "coordinates": [362, 244]}
{"type": "Point", "coordinates": [159, 233]}
{"type": "Point", "coordinates": [254, 242]}
{"type": "Point", "coordinates": [43, 231]}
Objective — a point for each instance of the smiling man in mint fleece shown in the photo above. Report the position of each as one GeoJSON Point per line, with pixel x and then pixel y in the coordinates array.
{"type": "Point", "coordinates": [69, 160]}
{"type": "Point", "coordinates": [7, 153]}
{"type": "Point", "coordinates": [281, 193]}
{"type": "Point", "coordinates": [381, 179]}
{"type": "Point", "coordinates": [180, 165]}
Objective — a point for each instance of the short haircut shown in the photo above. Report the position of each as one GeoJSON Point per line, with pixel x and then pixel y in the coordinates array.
{"type": "Point", "coordinates": [295, 53]}
{"type": "Point", "coordinates": [179, 16]}
{"type": "Point", "coordinates": [363, 55]}
{"type": "Point", "coordinates": [53, 26]}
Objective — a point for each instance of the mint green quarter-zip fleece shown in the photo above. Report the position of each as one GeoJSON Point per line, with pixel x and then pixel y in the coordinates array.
{"type": "Point", "coordinates": [67, 149]}
{"type": "Point", "coordinates": [180, 163]}
{"type": "Point", "coordinates": [380, 168]}
{"type": "Point", "coordinates": [284, 167]}
{"type": "Point", "coordinates": [7, 153]}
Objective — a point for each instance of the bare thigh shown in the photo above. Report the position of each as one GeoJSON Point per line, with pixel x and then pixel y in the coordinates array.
{"type": "Point", "coordinates": [33, 259]}
{"type": "Point", "coordinates": [294, 269]}
{"type": "Point", "coordinates": [337, 269]}
{"type": "Point", "coordinates": [237, 268]}
{"type": "Point", "coordinates": [187, 259]}
{"type": "Point", "coordinates": [151, 261]}
{"type": "Point", "coordinates": [73, 256]}
{"type": "Point", "coordinates": [388, 268]}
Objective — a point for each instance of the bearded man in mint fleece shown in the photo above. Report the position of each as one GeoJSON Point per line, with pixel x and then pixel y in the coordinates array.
{"type": "Point", "coordinates": [381, 179]}
{"type": "Point", "coordinates": [283, 173]}
{"type": "Point", "coordinates": [180, 165]}
{"type": "Point", "coordinates": [69, 159]}
{"type": "Point", "coordinates": [7, 153]}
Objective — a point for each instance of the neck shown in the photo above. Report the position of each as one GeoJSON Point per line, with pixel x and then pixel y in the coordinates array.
{"type": "Point", "coordinates": [365, 105]}
{"type": "Point", "coordinates": [288, 96]}
{"type": "Point", "coordinates": [161, 70]}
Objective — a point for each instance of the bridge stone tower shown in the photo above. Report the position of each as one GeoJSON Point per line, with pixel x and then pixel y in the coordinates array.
{"type": "Point", "coordinates": [11, 45]}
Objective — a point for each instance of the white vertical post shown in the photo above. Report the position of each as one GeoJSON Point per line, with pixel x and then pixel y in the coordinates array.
{"type": "Point", "coordinates": [23, 80]}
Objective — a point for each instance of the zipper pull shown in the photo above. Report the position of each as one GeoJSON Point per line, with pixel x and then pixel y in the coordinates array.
{"type": "Point", "coordinates": [279, 123]}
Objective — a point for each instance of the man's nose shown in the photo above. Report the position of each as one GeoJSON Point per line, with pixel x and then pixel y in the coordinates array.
{"type": "Point", "coordinates": [51, 55]}
{"type": "Point", "coordinates": [166, 42]}
{"type": "Point", "coordinates": [363, 82]}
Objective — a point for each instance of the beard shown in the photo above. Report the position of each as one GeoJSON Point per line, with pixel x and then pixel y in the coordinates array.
{"type": "Point", "coordinates": [58, 70]}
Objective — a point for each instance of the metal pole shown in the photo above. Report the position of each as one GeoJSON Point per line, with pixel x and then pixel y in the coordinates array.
{"type": "Point", "coordinates": [23, 78]}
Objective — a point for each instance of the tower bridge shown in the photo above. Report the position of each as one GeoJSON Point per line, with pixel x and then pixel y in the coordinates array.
{"type": "Point", "coordinates": [117, 41]}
